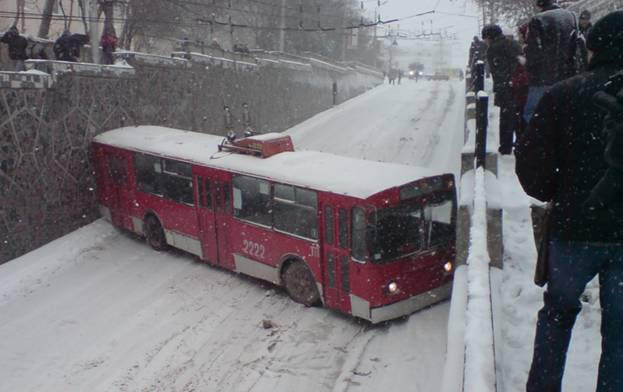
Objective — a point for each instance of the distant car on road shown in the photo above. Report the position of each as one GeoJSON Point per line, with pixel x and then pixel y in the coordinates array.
{"type": "Point", "coordinates": [436, 76]}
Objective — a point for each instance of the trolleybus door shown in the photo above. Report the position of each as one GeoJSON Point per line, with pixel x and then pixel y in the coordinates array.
{"type": "Point", "coordinates": [117, 170]}
{"type": "Point", "coordinates": [207, 219]}
{"type": "Point", "coordinates": [223, 215]}
{"type": "Point", "coordinates": [336, 255]}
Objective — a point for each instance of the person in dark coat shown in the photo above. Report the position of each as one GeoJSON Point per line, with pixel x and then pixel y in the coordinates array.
{"type": "Point", "coordinates": [549, 56]}
{"type": "Point", "coordinates": [560, 159]}
{"type": "Point", "coordinates": [67, 46]}
{"type": "Point", "coordinates": [17, 47]}
{"type": "Point", "coordinates": [502, 57]}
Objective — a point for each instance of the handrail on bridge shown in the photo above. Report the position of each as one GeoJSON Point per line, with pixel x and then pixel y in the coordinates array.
{"type": "Point", "coordinates": [470, 362]}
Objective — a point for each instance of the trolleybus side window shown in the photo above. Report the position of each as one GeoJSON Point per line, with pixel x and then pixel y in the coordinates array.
{"type": "Point", "coordinates": [328, 225]}
{"type": "Point", "coordinates": [343, 228]}
{"type": "Point", "coordinates": [148, 169]}
{"type": "Point", "coordinates": [117, 169]}
{"type": "Point", "coordinates": [205, 197]}
{"type": "Point", "coordinates": [164, 177]}
{"type": "Point", "coordinates": [177, 181]}
{"type": "Point", "coordinates": [226, 197]}
{"type": "Point", "coordinates": [359, 229]}
{"type": "Point", "coordinates": [295, 211]}
{"type": "Point", "coordinates": [252, 199]}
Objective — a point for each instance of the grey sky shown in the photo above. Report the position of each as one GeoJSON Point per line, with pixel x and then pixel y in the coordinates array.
{"type": "Point", "coordinates": [456, 19]}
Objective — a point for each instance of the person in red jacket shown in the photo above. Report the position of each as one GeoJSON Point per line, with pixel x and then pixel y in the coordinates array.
{"type": "Point", "coordinates": [108, 44]}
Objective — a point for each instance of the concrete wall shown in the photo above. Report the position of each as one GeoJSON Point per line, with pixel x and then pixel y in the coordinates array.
{"type": "Point", "coordinates": [46, 125]}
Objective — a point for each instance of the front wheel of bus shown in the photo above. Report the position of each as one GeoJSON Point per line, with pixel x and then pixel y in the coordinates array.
{"type": "Point", "coordinates": [154, 234]}
{"type": "Point", "coordinates": [300, 284]}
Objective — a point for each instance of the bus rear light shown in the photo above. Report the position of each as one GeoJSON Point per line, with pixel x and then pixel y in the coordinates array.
{"type": "Point", "coordinates": [447, 267]}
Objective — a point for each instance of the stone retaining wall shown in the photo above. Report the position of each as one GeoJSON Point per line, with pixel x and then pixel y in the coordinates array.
{"type": "Point", "coordinates": [47, 123]}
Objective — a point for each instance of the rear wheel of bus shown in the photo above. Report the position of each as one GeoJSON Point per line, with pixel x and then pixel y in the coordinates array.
{"type": "Point", "coordinates": [300, 284]}
{"type": "Point", "coordinates": [155, 234]}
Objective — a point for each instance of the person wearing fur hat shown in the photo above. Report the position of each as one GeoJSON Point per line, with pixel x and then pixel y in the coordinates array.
{"type": "Point", "coordinates": [560, 159]}
{"type": "Point", "coordinates": [549, 57]}
{"type": "Point", "coordinates": [502, 57]}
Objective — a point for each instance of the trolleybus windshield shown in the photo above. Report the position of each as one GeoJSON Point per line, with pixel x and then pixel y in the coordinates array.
{"type": "Point", "coordinates": [411, 227]}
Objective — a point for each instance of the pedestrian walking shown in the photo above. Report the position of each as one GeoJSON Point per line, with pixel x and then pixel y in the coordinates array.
{"type": "Point", "coordinates": [17, 48]}
{"type": "Point", "coordinates": [108, 43]}
{"type": "Point", "coordinates": [503, 57]}
{"type": "Point", "coordinates": [392, 75]}
{"type": "Point", "coordinates": [560, 159]}
{"type": "Point", "coordinates": [548, 50]}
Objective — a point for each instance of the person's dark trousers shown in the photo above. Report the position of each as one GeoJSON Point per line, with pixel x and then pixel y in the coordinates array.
{"type": "Point", "coordinates": [508, 126]}
{"type": "Point", "coordinates": [571, 266]}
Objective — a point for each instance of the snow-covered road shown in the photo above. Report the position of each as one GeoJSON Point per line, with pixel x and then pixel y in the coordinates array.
{"type": "Point", "coordinates": [98, 310]}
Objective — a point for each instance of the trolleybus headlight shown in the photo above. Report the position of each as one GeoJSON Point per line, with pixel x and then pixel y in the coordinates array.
{"type": "Point", "coordinates": [392, 288]}
{"type": "Point", "coordinates": [447, 267]}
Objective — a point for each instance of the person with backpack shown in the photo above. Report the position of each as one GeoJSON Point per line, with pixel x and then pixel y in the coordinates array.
{"type": "Point", "coordinates": [560, 159]}
{"type": "Point", "coordinates": [610, 188]}
{"type": "Point", "coordinates": [548, 50]}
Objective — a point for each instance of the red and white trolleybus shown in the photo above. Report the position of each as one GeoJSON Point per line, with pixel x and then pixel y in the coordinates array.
{"type": "Point", "coordinates": [374, 240]}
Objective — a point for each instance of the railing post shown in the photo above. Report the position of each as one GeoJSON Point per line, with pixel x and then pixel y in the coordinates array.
{"type": "Point", "coordinates": [482, 121]}
{"type": "Point", "coordinates": [479, 78]}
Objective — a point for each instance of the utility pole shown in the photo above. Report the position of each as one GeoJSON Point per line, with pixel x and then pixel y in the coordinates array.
{"type": "Point", "coordinates": [282, 32]}
{"type": "Point", "coordinates": [344, 39]}
{"type": "Point", "coordinates": [91, 7]}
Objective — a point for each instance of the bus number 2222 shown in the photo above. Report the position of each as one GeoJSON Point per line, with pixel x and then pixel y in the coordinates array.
{"type": "Point", "coordinates": [253, 249]}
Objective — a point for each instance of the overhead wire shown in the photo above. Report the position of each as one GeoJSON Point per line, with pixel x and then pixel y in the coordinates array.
{"type": "Point", "coordinates": [202, 21]}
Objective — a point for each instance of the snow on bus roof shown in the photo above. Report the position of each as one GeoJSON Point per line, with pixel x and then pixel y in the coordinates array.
{"type": "Point", "coordinates": [310, 169]}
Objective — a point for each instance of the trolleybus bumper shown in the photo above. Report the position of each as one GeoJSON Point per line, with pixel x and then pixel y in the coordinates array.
{"type": "Point", "coordinates": [361, 308]}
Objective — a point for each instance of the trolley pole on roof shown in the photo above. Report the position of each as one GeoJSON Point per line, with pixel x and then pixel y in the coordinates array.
{"type": "Point", "coordinates": [282, 32]}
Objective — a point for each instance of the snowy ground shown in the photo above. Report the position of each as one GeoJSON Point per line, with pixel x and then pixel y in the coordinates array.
{"type": "Point", "coordinates": [98, 310]}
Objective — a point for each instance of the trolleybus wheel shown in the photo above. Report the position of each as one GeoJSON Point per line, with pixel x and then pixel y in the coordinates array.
{"type": "Point", "coordinates": [155, 234]}
{"type": "Point", "coordinates": [300, 284]}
